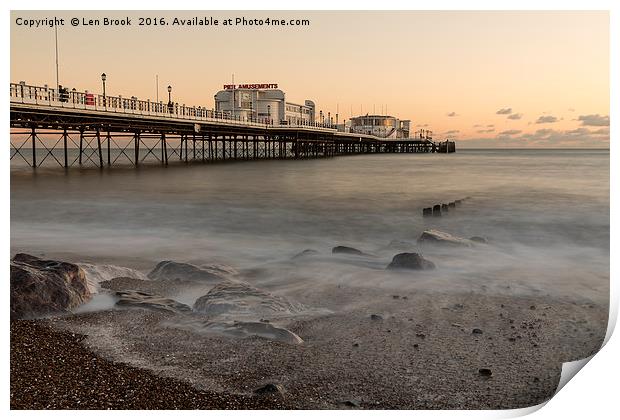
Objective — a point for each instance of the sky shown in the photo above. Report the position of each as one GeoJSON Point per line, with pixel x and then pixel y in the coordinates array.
{"type": "Point", "coordinates": [486, 79]}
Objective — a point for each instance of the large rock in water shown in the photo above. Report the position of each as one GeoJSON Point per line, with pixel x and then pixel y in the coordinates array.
{"type": "Point", "coordinates": [242, 299]}
{"type": "Point", "coordinates": [40, 287]}
{"type": "Point", "coordinates": [97, 273]}
{"type": "Point", "coordinates": [144, 300]}
{"type": "Point", "coordinates": [210, 273]}
{"type": "Point", "coordinates": [410, 261]}
{"type": "Point", "coordinates": [434, 236]}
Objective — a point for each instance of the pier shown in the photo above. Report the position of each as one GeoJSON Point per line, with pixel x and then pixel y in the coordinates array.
{"type": "Point", "coordinates": [70, 128]}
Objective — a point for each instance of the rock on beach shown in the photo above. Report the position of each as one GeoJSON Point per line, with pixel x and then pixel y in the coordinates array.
{"type": "Point", "coordinates": [208, 273]}
{"type": "Point", "coordinates": [437, 237]}
{"type": "Point", "coordinates": [40, 287]}
{"type": "Point", "coordinates": [144, 300]}
{"type": "Point", "coordinates": [410, 261]}
{"type": "Point", "coordinates": [239, 299]}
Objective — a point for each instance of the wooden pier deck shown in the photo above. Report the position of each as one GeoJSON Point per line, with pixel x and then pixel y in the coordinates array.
{"type": "Point", "coordinates": [78, 130]}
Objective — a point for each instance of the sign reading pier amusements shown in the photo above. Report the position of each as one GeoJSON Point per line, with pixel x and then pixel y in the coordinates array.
{"type": "Point", "coordinates": [253, 86]}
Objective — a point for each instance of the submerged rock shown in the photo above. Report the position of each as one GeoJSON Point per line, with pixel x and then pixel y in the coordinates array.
{"type": "Point", "coordinates": [240, 329]}
{"type": "Point", "coordinates": [305, 253]}
{"type": "Point", "coordinates": [138, 299]}
{"type": "Point", "coordinates": [239, 299]}
{"type": "Point", "coordinates": [479, 239]}
{"type": "Point", "coordinates": [172, 270]}
{"type": "Point", "coordinates": [347, 250]}
{"type": "Point", "coordinates": [434, 236]}
{"type": "Point", "coordinates": [40, 287]}
{"type": "Point", "coordinates": [410, 261]}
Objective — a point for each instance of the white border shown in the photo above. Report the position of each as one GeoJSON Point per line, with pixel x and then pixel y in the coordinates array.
{"type": "Point", "coordinates": [593, 394]}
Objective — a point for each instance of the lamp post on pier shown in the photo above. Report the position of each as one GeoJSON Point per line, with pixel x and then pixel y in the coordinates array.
{"type": "Point", "coordinates": [170, 105]}
{"type": "Point", "coordinates": [268, 114]}
{"type": "Point", "coordinates": [103, 78]}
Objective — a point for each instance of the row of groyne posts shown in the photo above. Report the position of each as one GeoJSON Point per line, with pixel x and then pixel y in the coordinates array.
{"type": "Point", "coordinates": [49, 129]}
{"type": "Point", "coordinates": [438, 209]}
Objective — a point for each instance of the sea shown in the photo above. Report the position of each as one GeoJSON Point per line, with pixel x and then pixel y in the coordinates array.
{"type": "Point", "coordinates": [544, 213]}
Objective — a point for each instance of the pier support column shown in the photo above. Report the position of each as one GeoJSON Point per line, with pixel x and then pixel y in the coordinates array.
{"type": "Point", "coordinates": [186, 149]}
{"type": "Point", "coordinates": [136, 145]}
{"type": "Point", "coordinates": [99, 148]}
{"type": "Point", "coordinates": [81, 145]}
{"type": "Point", "coordinates": [164, 149]}
{"type": "Point", "coordinates": [109, 140]}
{"type": "Point", "coordinates": [64, 146]}
{"type": "Point", "coordinates": [194, 146]}
{"type": "Point", "coordinates": [33, 134]}
{"type": "Point", "coordinates": [161, 148]}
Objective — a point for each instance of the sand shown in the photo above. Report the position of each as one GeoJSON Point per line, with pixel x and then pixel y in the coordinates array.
{"type": "Point", "coordinates": [51, 369]}
{"type": "Point", "coordinates": [421, 354]}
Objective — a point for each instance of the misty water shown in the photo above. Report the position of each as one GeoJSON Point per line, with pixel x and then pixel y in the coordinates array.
{"type": "Point", "coordinates": [545, 214]}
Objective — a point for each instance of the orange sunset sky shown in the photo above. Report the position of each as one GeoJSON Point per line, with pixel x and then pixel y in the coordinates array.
{"type": "Point", "coordinates": [486, 79]}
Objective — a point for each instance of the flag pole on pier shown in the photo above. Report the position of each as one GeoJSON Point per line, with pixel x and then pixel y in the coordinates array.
{"type": "Point", "coordinates": [56, 42]}
{"type": "Point", "coordinates": [233, 95]}
{"type": "Point", "coordinates": [157, 88]}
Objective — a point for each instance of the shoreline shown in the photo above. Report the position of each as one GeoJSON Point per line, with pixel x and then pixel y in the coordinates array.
{"type": "Point", "coordinates": [51, 369]}
{"type": "Point", "coordinates": [422, 354]}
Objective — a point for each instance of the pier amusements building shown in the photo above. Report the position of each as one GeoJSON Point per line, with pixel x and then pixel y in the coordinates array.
{"type": "Point", "coordinates": [263, 102]}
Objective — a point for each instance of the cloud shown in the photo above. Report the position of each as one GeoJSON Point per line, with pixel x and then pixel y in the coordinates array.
{"type": "Point", "coordinates": [581, 131]}
{"type": "Point", "coordinates": [486, 130]}
{"type": "Point", "coordinates": [571, 109]}
{"type": "Point", "coordinates": [510, 132]}
{"type": "Point", "coordinates": [514, 116]}
{"type": "Point", "coordinates": [580, 137]}
{"type": "Point", "coordinates": [452, 114]}
{"type": "Point", "coordinates": [491, 125]}
{"type": "Point", "coordinates": [544, 132]}
{"type": "Point", "coordinates": [504, 111]}
{"type": "Point", "coordinates": [595, 120]}
{"type": "Point", "coordinates": [544, 119]}
{"type": "Point", "coordinates": [452, 132]}
{"type": "Point", "coordinates": [604, 131]}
